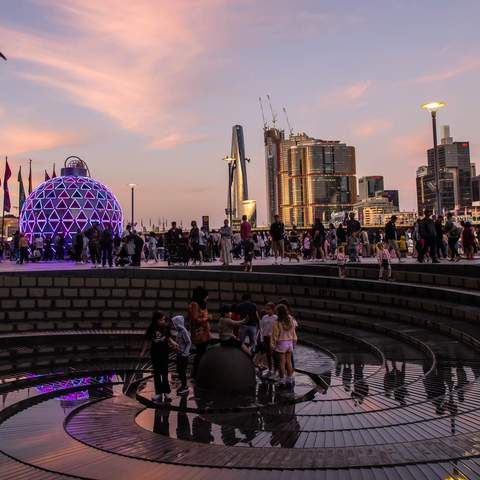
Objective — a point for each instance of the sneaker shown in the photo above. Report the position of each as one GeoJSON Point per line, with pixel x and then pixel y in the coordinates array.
{"type": "Point", "coordinates": [157, 398]}
{"type": "Point", "coordinates": [167, 398]}
{"type": "Point", "coordinates": [183, 391]}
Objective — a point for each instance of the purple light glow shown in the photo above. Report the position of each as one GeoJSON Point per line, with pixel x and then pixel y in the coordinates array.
{"type": "Point", "coordinates": [66, 204]}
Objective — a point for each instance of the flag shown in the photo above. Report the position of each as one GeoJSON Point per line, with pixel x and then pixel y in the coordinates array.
{"type": "Point", "coordinates": [54, 174]}
{"type": "Point", "coordinates": [21, 190]}
{"type": "Point", "coordinates": [6, 194]}
{"type": "Point", "coordinates": [47, 176]}
{"type": "Point", "coordinates": [30, 186]}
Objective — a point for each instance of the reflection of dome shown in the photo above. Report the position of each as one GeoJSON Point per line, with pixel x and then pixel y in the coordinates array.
{"type": "Point", "coordinates": [226, 369]}
{"type": "Point", "coordinates": [67, 203]}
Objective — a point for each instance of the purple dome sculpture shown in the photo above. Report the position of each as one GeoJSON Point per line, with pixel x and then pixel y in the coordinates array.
{"type": "Point", "coordinates": [69, 202]}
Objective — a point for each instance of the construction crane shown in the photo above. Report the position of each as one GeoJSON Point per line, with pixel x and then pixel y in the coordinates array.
{"type": "Point", "coordinates": [288, 121]}
{"type": "Point", "coordinates": [263, 113]}
{"type": "Point", "coordinates": [274, 115]}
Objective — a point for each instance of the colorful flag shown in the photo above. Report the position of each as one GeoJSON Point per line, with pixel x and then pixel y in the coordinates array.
{"type": "Point", "coordinates": [47, 176]}
{"type": "Point", "coordinates": [6, 194]}
{"type": "Point", "coordinates": [30, 185]}
{"type": "Point", "coordinates": [21, 190]}
{"type": "Point", "coordinates": [54, 174]}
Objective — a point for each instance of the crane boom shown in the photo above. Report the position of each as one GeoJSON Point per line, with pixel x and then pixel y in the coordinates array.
{"type": "Point", "coordinates": [263, 113]}
{"type": "Point", "coordinates": [288, 121]}
{"type": "Point", "coordinates": [274, 115]}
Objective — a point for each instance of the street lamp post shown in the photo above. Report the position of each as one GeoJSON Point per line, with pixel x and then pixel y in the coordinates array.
{"type": "Point", "coordinates": [231, 168]}
{"type": "Point", "coordinates": [433, 107]}
{"type": "Point", "coordinates": [132, 188]}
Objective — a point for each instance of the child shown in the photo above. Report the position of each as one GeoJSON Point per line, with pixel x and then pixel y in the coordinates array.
{"type": "Point", "coordinates": [184, 344]}
{"type": "Point", "coordinates": [227, 327]}
{"type": "Point", "coordinates": [341, 262]}
{"type": "Point", "coordinates": [307, 247]}
{"type": "Point", "coordinates": [248, 251]}
{"type": "Point", "coordinates": [403, 246]}
{"type": "Point", "coordinates": [158, 337]}
{"type": "Point", "coordinates": [383, 257]}
{"type": "Point", "coordinates": [283, 340]}
{"type": "Point", "coordinates": [266, 329]}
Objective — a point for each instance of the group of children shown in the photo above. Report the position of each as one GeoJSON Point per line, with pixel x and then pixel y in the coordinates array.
{"type": "Point", "coordinates": [383, 258]}
{"type": "Point", "coordinates": [271, 349]}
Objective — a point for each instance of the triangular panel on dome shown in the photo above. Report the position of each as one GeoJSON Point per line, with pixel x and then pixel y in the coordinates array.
{"type": "Point", "coordinates": [48, 204]}
{"type": "Point", "coordinates": [38, 205]}
{"type": "Point", "coordinates": [81, 215]}
{"type": "Point", "coordinates": [61, 205]}
{"type": "Point", "coordinates": [67, 215]}
{"type": "Point", "coordinates": [95, 217]}
{"type": "Point", "coordinates": [88, 204]}
{"type": "Point", "coordinates": [40, 194]}
{"type": "Point", "coordinates": [95, 186]}
{"type": "Point", "coordinates": [75, 204]}
{"type": "Point", "coordinates": [60, 186]}
{"type": "Point", "coordinates": [76, 194]}
{"type": "Point", "coordinates": [89, 194]}
{"type": "Point", "coordinates": [100, 205]}
{"type": "Point", "coordinates": [85, 186]}
{"type": "Point", "coordinates": [49, 186]}
{"type": "Point", "coordinates": [54, 216]}
{"type": "Point", "coordinates": [101, 194]}
{"type": "Point", "coordinates": [64, 194]}
{"type": "Point", "coordinates": [51, 194]}
{"type": "Point", "coordinates": [41, 216]}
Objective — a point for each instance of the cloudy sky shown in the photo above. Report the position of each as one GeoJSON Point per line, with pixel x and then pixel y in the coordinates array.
{"type": "Point", "coordinates": [147, 91]}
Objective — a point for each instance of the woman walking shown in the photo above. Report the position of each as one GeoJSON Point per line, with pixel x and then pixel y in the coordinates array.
{"type": "Point", "coordinates": [226, 244]}
{"type": "Point", "coordinates": [284, 338]}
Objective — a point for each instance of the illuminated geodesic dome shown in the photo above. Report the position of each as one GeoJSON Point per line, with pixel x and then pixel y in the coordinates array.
{"type": "Point", "coordinates": [69, 202]}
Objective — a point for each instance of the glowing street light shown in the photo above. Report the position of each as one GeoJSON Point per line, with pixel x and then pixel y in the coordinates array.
{"type": "Point", "coordinates": [433, 108]}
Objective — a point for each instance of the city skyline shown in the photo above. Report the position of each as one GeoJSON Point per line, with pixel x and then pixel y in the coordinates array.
{"type": "Point", "coordinates": [152, 100]}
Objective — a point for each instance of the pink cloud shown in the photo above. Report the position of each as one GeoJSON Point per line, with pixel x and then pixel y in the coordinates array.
{"type": "Point", "coordinates": [25, 139]}
{"type": "Point", "coordinates": [372, 128]}
{"type": "Point", "coordinates": [158, 48]}
{"type": "Point", "coordinates": [350, 93]}
{"type": "Point", "coordinates": [466, 66]}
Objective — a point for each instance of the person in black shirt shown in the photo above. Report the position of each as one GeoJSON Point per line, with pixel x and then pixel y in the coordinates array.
{"type": "Point", "coordinates": [277, 232]}
{"type": "Point", "coordinates": [428, 235]}
{"type": "Point", "coordinates": [353, 225]}
{"type": "Point", "coordinates": [247, 311]}
{"type": "Point", "coordinates": [106, 245]}
{"type": "Point", "coordinates": [159, 338]}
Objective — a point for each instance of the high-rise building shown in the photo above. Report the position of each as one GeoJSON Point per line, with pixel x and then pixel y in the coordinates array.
{"type": "Point", "coordinates": [308, 178]}
{"type": "Point", "coordinates": [393, 196]}
{"type": "Point", "coordinates": [370, 186]}
{"type": "Point", "coordinates": [240, 200]}
{"type": "Point", "coordinates": [476, 190]}
{"type": "Point", "coordinates": [454, 171]}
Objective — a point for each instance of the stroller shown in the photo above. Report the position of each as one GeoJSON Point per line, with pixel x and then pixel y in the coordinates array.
{"type": "Point", "coordinates": [178, 252]}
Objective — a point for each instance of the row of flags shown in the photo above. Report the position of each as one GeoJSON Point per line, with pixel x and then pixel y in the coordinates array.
{"type": "Point", "coordinates": [7, 205]}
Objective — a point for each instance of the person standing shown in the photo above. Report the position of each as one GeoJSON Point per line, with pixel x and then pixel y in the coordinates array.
{"type": "Point", "coordinates": [158, 338]}
{"type": "Point", "coordinates": [226, 244]}
{"type": "Point", "coordinates": [198, 319]}
{"type": "Point", "coordinates": [383, 258]}
{"type": "Point", "coordinates": [391, 236]}
{"type": "Point", "coordinates": [353, 225]}
{"type": "Point", "coordinates": [93, 235]}
{"type": "Point", "coordinates": [441, 250]}
{"type": "Point", "coordinates": [277, 232]}
{"type": "Point", "coordinates": [184, 343]}
{"type": "Point", "coordinates": [106, 245]}
{"type": "Point", "coordinates": [247, 310]}
{"type": "Point", "coordinates": [318, 240]}
{"type": "Point", "coordinates": [266, 330]}
{"type": "Point", "coordinates": [283, 341]}
{"type": "Point", "coordinates": [78, 246]}
{"type": "Point", "coordinates": [245, 232]}
{"type": "Point", "coordinates": [194, 242]}
{"type": "Point", "coordinates": [453, 236]}
{"type": "Point", "coordinates": [60, 246]}
{"type": "Point", "coordinates": [427, 234]}
{"type": "Point", "coordinates": [341, 236]}
{"type": "Point", "coordinates": [468, 241]}
{"type": "Point", "coordinates": [23, 249]}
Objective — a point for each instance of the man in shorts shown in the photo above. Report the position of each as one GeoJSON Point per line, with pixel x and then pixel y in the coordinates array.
{"type": "Point", "coordinates": [391, 237]}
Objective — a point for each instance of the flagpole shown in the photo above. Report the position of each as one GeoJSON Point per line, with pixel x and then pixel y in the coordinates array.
{"type": "Point", "coordinates": [3, 214]}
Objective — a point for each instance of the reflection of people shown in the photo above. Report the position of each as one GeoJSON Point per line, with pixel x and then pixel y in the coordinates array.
{"type": "Point", "coordinates": [161, 422]}
{"type": "Point", "coordinates": [158, 338]}
{"type": "Point", "coordinates": [360, 385]}
{"type": "Point", "coordinates": [285, 437]}
{"type": "Point", "coordinates": [183, 423]}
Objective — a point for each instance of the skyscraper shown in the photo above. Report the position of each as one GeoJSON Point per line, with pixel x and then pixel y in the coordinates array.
{"type": "Point", "coordinates": [455, 176]}
{"type": "Point", "coordinates": [370, 186]}
{"type": "Point", "coordinates": [241, 203]}
{"type": "Point", "coordinates": [308, 178]}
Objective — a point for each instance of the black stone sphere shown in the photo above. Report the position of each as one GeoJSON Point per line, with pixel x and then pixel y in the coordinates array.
{"type": "Point", "coordinates": [226, 369]}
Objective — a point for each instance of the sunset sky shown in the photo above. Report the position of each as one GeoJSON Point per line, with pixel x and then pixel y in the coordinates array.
{"type": "Point", "coordinates": [147, 91]}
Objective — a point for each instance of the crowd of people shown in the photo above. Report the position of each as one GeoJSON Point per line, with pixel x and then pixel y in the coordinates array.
{"type": "Point", "coordinates": [429, 240]}
{"type": "Point", "coordinates": [268, 336]}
